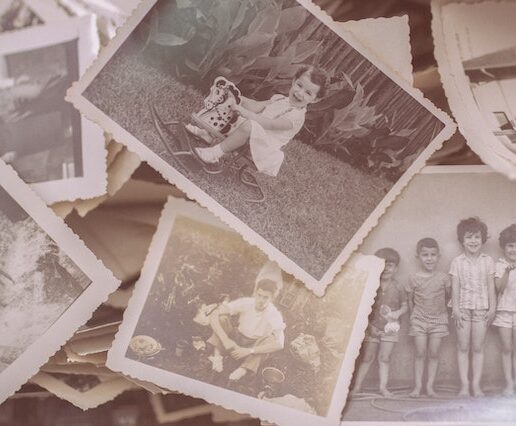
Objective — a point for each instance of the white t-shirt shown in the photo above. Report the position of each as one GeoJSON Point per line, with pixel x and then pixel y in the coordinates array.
{"type": "Point", "coordinates": [256, 324]}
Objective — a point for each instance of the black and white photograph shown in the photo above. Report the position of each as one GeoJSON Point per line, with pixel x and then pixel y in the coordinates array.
{"type": "Point", "coordinates": [441, 341]}
{"type": "Point", "coordinates": [42, 134]}
{"type": "Point", "coordinates": [18, 14]}
{"type": "Point", "coordinates": [269, 114]}
{"type": "Point", "coordinates": [212, 317]}
{"type": "Point", "coordinates": [50, 284]}
{"type": "Point", "coordinates": [477, 63]}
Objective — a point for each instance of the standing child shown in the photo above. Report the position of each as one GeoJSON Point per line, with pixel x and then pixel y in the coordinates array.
{"type": "Point", "coordinates": [505, 319]}
{"type": "Point", "coordinates": [428, 314]}
{"type": "Point", "coordinates": [271, 124]}
{"type": "Point", "coordinates": [381, 336]}
{"type": "Point", "coordinates": [473, 300]}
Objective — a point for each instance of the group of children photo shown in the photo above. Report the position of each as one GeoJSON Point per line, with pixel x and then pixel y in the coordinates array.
{"type": "Point", "coordinates": [478, 291]}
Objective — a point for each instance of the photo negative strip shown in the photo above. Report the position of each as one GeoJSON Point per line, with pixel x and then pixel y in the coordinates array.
{"type": "Point", "coordinates": [475, 47]}
{"type": "Point", "coordinates": [44, 138]}
{"type": "Point", "coordinates": [271, 116]}
{"type": "Point", "coordinates": [213, 318]}
{"type": "Point", "coordinates": [17, 14]}
{"type": "Point", "coordinates": [50, 283]}
{"type": "Point", "coordinates": [441, 334]}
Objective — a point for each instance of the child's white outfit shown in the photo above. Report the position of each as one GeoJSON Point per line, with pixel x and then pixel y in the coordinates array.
{"type": "Point", "coordinates": [265, 144]}
{"type": "Point", "coordinates": [506, 306]}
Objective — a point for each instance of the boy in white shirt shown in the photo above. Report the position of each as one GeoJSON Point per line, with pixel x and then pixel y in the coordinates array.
{"type": "Point", "coordinates": [260, 329]}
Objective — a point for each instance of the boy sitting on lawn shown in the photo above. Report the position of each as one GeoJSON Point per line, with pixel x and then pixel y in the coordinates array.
{"type": "Point", "coordinates": [260, 329]}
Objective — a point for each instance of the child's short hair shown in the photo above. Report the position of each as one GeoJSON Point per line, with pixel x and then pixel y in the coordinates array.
{"type": "Point", "coordinates": [426, 242]}
{"type": "Point", "coordinates": [266, 284]}
{"type": "Point", "coordinates": [471, 224]}
{"type": "Point", "coordinates": [389, 255]}
{"type": "Point", "coordinates": [508, 235]}
{"type": "Point", "coordinates": [317, 76]}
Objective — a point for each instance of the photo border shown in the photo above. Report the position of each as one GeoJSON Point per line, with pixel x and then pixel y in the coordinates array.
{"type": "Point", "coordinates": [94, 179]}
{"type": "Point", "coordinates": [318, 286]}
{"type": "Point", "coordinates": [244, 404]}
{"type": "Point", "coordinates": [102, 284]}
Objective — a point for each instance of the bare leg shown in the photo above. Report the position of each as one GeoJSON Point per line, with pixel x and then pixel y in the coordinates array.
{"type": "Point", "coordinates": [370, 350]}
{"type": "Point", "coordinates": [463, 343]}
{"type": "Point", "coordinates": [478, 335]}
{"type": "Point", "coordinates": [238, 138]}
{"type": "Point", "coordinates": [234, 141]}
{"type": "Point", "coordinates": [419, 364]}
{"type": "Point", "coordinates": [507, 355]}
{"type": "Point", "coordinates": [384, 358]}
{"type": "Point", "coordinates": [514, 355]}
{"type": "Point", "coordinates": [434, 345]}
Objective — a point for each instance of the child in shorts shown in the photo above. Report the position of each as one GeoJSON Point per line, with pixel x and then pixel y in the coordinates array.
{"type": "Point", "coordinates": [505, 319]}
{"type": "Point", "coordinates": [380, 338]}
{"type": "Point", "coordinates": [426, 291]}
{"type": "Point", "coordinates": [473, 300]}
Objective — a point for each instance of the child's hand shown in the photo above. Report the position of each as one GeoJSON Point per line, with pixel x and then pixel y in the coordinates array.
{"type": "Point", "coordinates": [457, 316]}
{"type": "Point", "coordinates": [490, 315]}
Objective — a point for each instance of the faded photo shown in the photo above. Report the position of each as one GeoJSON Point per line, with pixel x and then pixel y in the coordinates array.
{"type": "Point", "coordinates": [441, 341]}
{"type": "Point", "coordinates": [41, 132]}
{"type": "Point", "coordinates": [270, 113]}
{"type": "Point", "coordinates": [220, 313]}
{"type": "Point", "coordinates": [38, 282]}
{"type": "Point", "coordinates": [476, 53]}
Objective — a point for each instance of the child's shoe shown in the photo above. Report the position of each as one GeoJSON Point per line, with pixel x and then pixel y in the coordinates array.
{"type": "Point", "coordinates": [200, 133]}
{"type": "Point", "coordinates": [210, 155]}
{"type": "Point", "coordinates": [237, 374]}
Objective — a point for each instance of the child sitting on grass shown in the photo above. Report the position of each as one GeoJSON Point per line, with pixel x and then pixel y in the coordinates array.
{"type": "Point", "coordinates": [473, 300]}
{"type": "Point", "coordinates": [389, 306]}
{"type": "Point", "coordinates": [505, 319]}
{"type": "Point", "coordinates": [271, 124]}
{"type": "Point", "coordinates": [428, 314]}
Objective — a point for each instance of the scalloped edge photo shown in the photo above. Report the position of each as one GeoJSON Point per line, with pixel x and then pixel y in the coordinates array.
{"type": "Point", "coordinates": [102, 283]}
{"type": "Point", "coordinates": [332, 263]}
{"type": "Point", "coordinates": [58, 28]}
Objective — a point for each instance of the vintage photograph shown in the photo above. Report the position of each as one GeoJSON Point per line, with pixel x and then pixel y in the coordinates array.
{"type": "Point", "coordinates": [18, 14]}
{"type": "Point", "coordinates": [42, 134]}
{"type": "Point", "coordinates": [212, 317]}
{"type": "Point", "coordinates": [269, 114]}
{"type": "Point", "coordinates": [50, 284]}
{"type": "Point", "coordinates": [477, 63]}
{"type": "Point", "coordinates": [441, 341]}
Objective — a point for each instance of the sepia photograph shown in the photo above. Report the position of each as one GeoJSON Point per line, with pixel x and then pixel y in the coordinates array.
{"type": "Point", "coordinates": [42, 134]}
{"type": "Point", "coordinates": [212, 317]}
{"type": "Point", "coordinates": [441, 341]}
{"type": "Point", "coordinates": [269, 114]}
{"type": "Point", "coordinates": [477, 62]}
{"type": "Point", "coordinates": [49, 282]}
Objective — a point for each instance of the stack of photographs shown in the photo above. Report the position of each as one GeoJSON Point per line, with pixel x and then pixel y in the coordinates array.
{"type": "Point", "coordinates": [253, 234]}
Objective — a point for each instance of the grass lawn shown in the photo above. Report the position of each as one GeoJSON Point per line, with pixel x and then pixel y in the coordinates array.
{"type": "Point", "coordinates": [313, 207]}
